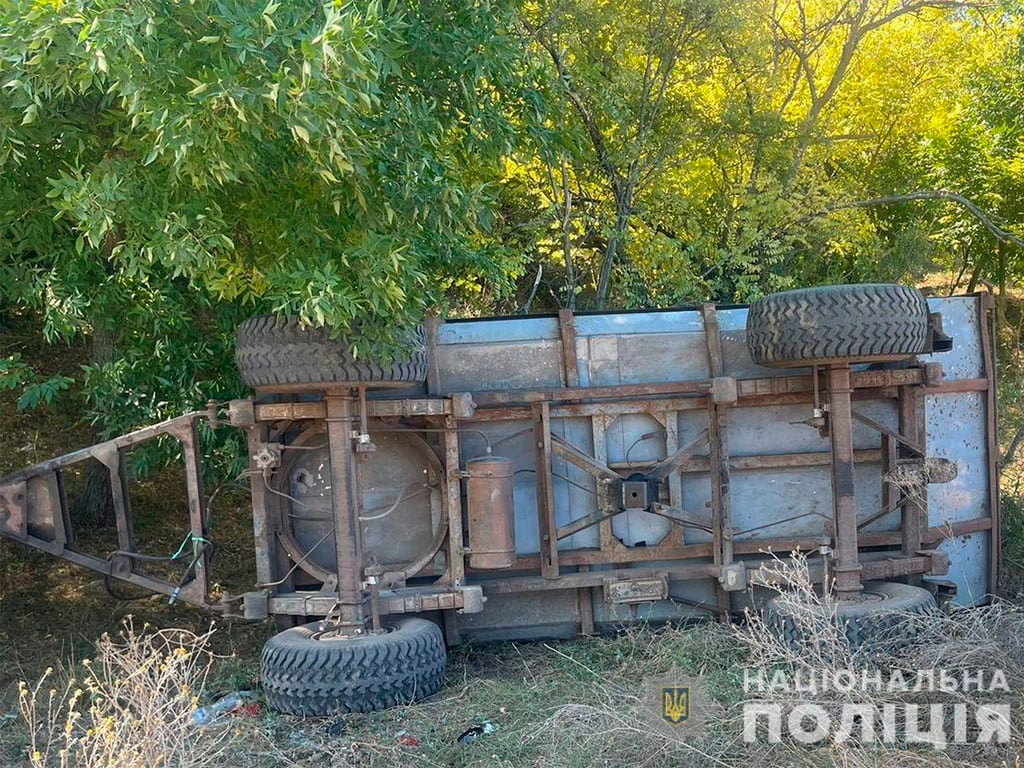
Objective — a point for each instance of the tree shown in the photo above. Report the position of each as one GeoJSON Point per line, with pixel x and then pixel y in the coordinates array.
{"type": "Point", "coordinates": [628, 73]}
{"type": "Point", "coordinates": [330, 160]}
{"type": "Point", "coordinates": [825, 102]}
{"type": "Point", "coordinates": [168, 168]}
{"type": "Point", "coordinates": [698, 140]}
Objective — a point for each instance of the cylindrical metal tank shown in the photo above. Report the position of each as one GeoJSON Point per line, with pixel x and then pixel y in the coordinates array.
{"type": "Point", "coordinates": [491, 512]}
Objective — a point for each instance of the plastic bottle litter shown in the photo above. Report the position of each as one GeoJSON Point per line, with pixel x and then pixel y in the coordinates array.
{"type": "Point", "coordinates": [209, 713]}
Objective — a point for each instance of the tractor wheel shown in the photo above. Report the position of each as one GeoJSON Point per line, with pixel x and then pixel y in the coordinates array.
{"type": "Point", "coordinates": [888, 616]}
{"type": "Point", "coordinates": [280, 353]}
{"type": "Point", "coordinates": [838, 324]}
{"type": "Point", "coordinates": [312, 673]}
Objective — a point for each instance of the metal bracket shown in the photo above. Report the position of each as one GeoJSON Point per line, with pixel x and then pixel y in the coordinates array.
{"type": "Point", "coordinates": [631, 591]}
{"type": "Point", "coordinates": [937, 340]}
{"type": "Point", "coordinates": [13, 520]}
{"type": "Point", "coordinates": [255, 606]}
{"type": "Point", "coordinates": [733, 577]}
{"type": "Point", "coordinates": [638, 492]}
{"type": "Point", "coordinates": [241, 413]}
{"type": "Point", "coordinates": [939, 561]}
{"type": "Point", "coordinates": [268, 456]}
{"type": "Point", "coordinates": [724, 390]}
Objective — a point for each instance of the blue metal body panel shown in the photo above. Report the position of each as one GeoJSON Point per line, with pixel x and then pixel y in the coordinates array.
{"type": "Point", "coordinates": [656, 347]}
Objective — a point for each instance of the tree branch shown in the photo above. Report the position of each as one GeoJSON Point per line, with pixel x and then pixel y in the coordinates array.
{"type": "Point", "coordinates": [986, 220]}
{"type": "Point", "coordinates": [1007, 458]}
{"type": "Point", "coordinates": [596, 137]}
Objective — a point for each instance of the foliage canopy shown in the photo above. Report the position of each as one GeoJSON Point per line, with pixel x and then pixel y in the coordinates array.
{"type": "Point", "coordinates": [167, 168]}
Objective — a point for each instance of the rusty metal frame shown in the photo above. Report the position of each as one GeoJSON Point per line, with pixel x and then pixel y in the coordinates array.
{"type": "Point", "coordinates": [987, 323]}
{"type": "Point", "coordinates": [718, 432]}
{"type": "Point", "coordinates": [569, 569]}
{"type": "Point", "coordinates": [34, 509]}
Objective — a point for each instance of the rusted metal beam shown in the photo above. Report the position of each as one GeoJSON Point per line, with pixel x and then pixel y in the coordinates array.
{"type": "Point", "coordinates": [987, 324]}
{"type": "Point", "coordinates": [582, 523]}
{"type": "Point", "coordinates": [582, 580]}
{"type": "Point", "coordinates": [762, 546]}
{"type": "Point", "coordinates": [345, 507]}
{"type": "Point", "coordinates": [518, 413]}
{"type": "Point", "coordinates": [111, 457]}
{"type": "Point", "coordinates": [865, 522]}
{"type": "Point", "coordinates": [588, 410]}
{"type": "Point", "coordinates": [890, 492]}
{"type": "Point", "coordinates": [752, 393]}
{"type": "Point", "coordinates": [938, 533]}
{"type": "Point", "coordinates": [191, 593]}
{"type": "Point", "coordinates": [799, 383]}
{"type": "Point", "coordinates": [840, 425]}
{"type": "Point", "coordinates": [394, 601]}
{"type": "Point", "coordinates": [513, 584]}
{"type": "Point", "coordinates": [778, 461]}
{"type": "Point", "coordinates": [873, 570]}
{"type": "Point", "coordinates": [567, 336]}
{"type": "Point", "coordinates": [578, 458]}
{"type": "Point", "coordinates": [960, 386]}
{"type": "Point", "coordinates": [265, 519]}
{"type": "Point", "coordinates": [915, 506]}
{"type": "Point", "coordinates": [671, 464]}
{"type": "Point", "coordinates": [545, 492]}
{"type": "Point", "coordinates": [169, 427]}
{"type": "Point", "coordinates": [883, 430]}
{"type": "Point", "coordinates": [619, 554]}
{"type": "Point", "coordinates": [670, 421]}
{"type": "Point", "coordinates": [756, 387]}
{"type": "Point", "coordinates": [931, 537]}
{"type": "Point", "coordinates": [456, 566]}
{"type": "Point", "coordinates": [198, 521]}
{"type": "Point", "coordinates": [599, 426]}
{"type": "Point", "coordinates": [460, 405]}
{"type": "Point", "coordinates": [499, 398]}
{"type": "Point", "coordinates": [683, 518]}
{"type": "Point", "coordinates": [718, 442]}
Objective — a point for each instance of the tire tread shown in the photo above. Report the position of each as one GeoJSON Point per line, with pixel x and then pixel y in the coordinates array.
{"type": "Point", "coordinates": [272, 350]}
{"type": "Point", "coordinates": [837, 323]}
{"type": "Point", "coordinates": [308, 677]}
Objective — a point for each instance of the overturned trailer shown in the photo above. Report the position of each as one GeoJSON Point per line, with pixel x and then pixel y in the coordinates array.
{"type": "Point", "coordinates": [545, 476]}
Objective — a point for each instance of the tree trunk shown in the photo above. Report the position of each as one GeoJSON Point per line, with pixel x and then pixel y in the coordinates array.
{"type": "Point", "coordinates": [94, 508]}
{"type": "Point", "coordinates": [570, 268]}
{"type": "Point", "coordinates": [963, 271]}
{"type": "Point", "coordinates": [972, 284]}
{"type": "Point", "coordinates": [1001, 248]}
{"type": "Point", "coordinates": [616, 242]}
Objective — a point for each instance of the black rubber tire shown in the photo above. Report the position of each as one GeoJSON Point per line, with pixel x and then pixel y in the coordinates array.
{"type": "Point", "coordinates": [306, 673]}
{"type": "Point", "coordinates": [837, 323]}
{"type": "Point", "coordinates": [888, 621]}
{"type": "Point", "coordinates": [278, 352]}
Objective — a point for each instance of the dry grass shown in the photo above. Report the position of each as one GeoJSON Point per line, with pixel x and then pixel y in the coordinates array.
{"type": "Point", "coordinates": [968, 640]}
{"type": "Point", "coordinates": [131, 705]}
{"type": "Point", "coordinates": [558, 704]}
